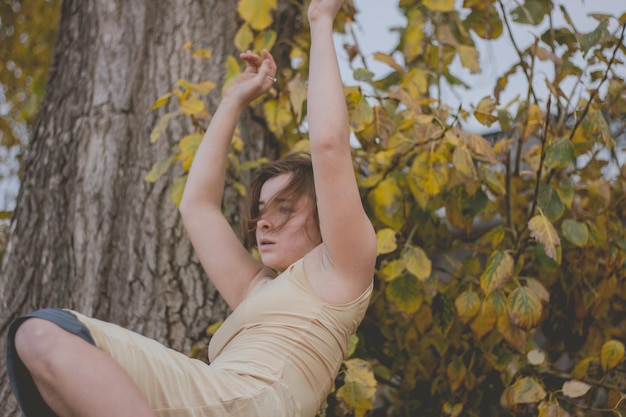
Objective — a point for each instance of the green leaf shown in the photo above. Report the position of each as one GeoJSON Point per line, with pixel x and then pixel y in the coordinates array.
{"type": "Point", "coordinates": [362, 74]}
{"type": "Point", "coordinates": [531, 12]}
{"type": "Point", "coordinates": [543, 231]}
{"type": "Point", "coordinates": [599, 35]}
{"type": "Point", "coordinates": [443, 312]}
{"type": "Point", "coordinates": [577, 233]}
{"type": "Point", "coordinates": [560, 154]}
{"type": "Point", "coordinates": [524, 308]}
{"type": "Point", "coordinates": [550, 202]}
{"type": "Point", "coordinates": [611, 354]}
{"type": "Point", "coordinates": [266, 39]}
{"type": "Point", "coordinates": [498, 272]}
{"type": "Point", "coordinates": [404, 294]}
{"type": "Point", "coordinates": [527, 390]}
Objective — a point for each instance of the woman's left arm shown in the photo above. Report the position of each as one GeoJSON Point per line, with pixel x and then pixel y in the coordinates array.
{"type": "Point", "coordinates": [348, 235]}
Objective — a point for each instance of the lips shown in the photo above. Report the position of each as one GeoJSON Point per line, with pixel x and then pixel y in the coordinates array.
{"type": "Point", "coordinates": [266, 242]}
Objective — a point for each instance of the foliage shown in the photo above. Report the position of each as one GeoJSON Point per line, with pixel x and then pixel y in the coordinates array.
{"type": "Point", "coordinates": [502, 258]}
{"type": "Point", "coordinates": [27, 32]}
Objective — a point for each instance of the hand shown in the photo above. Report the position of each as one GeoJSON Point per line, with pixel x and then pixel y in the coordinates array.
{"type": "Point", "coordinates": [324, 8]}
{"type": "Point", "coordinates": [256, 80]}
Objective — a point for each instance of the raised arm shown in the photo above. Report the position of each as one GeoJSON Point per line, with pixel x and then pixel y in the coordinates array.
{"type": "Point", "coordinates": [227, 263]}
{"type": "Point", "coordinates": [348, 236]}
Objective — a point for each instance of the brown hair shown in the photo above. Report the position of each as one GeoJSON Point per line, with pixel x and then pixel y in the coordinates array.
{"type": "Point", "coordinates": [300, 184]}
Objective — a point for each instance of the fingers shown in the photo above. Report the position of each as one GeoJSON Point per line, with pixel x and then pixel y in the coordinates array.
{"type": "Point", "coordinates": [263, 65]}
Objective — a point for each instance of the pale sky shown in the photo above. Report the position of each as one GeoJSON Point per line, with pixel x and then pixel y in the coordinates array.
{"type": "Point", "coordinates": [376, 17]}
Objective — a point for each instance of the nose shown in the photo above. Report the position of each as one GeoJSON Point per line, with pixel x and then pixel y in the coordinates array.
{"type": "Point", "coordinates": [263, 224]}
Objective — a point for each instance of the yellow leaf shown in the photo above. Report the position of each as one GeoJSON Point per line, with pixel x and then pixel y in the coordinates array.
{"type": "Point", "coordinates": [359, 387]}
{"type": "Point", "coordinates": [469, 58]}
{"type": "Point", "coordinates": [463, 162]}
{"type": "Point", "coordinates": [611, 354]}
{"type": "Point", "coordinates": [386, 240]}
{"type": "Point", "coordinates": [527, 390]}
{"type": "Point", "coordinates": [265, 40]}
{"type": "Point", "coordinates": [352, 344]}
{"type": "Point", "coordinates": [177, 189]}
{"type": "Point", "coordinates": [232, 71]}
{"type": "Point", "coordinates": [413, 37]}
{"type": "Point", "coordinates": [382, 124]}
{"type": "Point", "coordinates": [479, 146]}
{"type": "Point", "coordinates": [161, 101]}
{"type": "Point", "coordinates": [192, 106]}
{"type": "Point", "coordinates": [213, 328]}
{"type": "Point", "coordinates": [484, 111]}
{"type": "Point", "coordinates": [549, 409]}
{"type": "Point", "coordinates": [244, 38]}
{"type": "Point", "coordinates": [419, 80]}
{"type": "Point", "coordinates": [440, 5]}
{"type": "Point", "coordinates": [188, 45]}
{"type": "Point", "coordinates": [417, 262]}
{"type": "Point", "coordinates": [539, 289]}
{"type": "Point", "coordinates": [429, 173]}
{"type": "Point", "coordinates": [158, 169]}
{"type": "Point", "coordinates": [297, 95]}
{"type": "Point", "coordinates": [498, 272]}
{"type": "Point", "coordinates": [203, 87]}
{"type": "Point", "coordinates": [456, 372]}
{"type": "Point", "coordinates": [386, 200]}
{"type": "Point", "coordinates": [202, 54]}
{"type": "Point", "coordinates": [534, 121]}
{"type": "Point", "coordinates": [515, 336]}
{"type": "Point", "coordinates": [388, 59]}
{"type": "Point", "coordinates": [188, 146]}
{"type": "Point", "coordinates": [393, 269]}
{"type": "Point", "coordinates": [543, 231]}
{"type": "Point", "coordinates": [404, 294]}
{"type": "Point", "coordinates": [467, 305]}
{"type": "Point", "coordinates": [161, 126]}
{"type": "Point", "coordinates": [452, 410]}
{"type": "Point", "coordinates": [524, 308]}
{"type": "Point", "coordinates": [485, 321]}
{"type": "Point", "coordinates": [257, 13]}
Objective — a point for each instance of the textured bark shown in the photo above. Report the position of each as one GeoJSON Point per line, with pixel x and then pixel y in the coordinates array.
{"type": "Point", "coordinates": [88, 232]}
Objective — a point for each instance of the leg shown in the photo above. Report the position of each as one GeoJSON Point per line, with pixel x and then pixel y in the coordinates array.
{"type": "Point", "coordinates": [74, 377]}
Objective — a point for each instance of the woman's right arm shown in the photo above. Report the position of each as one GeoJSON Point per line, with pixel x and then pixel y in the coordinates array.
{"type": "Point", "coordinates": [227, 263]}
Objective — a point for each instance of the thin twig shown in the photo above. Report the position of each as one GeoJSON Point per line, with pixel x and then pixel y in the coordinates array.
{"type": "Point", "coordinates": [604, 78]}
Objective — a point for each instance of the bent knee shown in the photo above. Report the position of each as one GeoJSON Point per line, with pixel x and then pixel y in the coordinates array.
{"type": "Point", "coordinates": [37, 339]}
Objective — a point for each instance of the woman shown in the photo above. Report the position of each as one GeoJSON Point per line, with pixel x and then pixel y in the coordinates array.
{"type": "Point", "coordinates": [279, 351]}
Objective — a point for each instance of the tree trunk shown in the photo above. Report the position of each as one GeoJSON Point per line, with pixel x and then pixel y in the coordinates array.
{"type": "Point", "coordinates": [88, 232]}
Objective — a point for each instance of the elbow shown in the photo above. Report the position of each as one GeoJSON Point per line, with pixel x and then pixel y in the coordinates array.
{"type": "Point", "coordinates": [330, 142]}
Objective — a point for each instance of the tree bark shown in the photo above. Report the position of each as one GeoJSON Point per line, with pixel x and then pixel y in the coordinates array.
{"type": "Point", "coordinates": [88, 232]}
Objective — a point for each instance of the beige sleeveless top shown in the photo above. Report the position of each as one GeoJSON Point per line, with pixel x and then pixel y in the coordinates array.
{"type": "Point", "coordinates": [282, 331]}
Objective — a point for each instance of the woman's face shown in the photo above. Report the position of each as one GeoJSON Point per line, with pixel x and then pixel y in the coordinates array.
{"type": "Point", "coordinates": [288, 230]}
